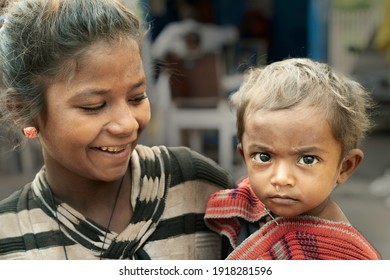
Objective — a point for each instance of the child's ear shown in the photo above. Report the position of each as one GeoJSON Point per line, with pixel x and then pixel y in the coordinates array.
{"type": "Point", "coordinates": [239, 149]}
{"type": "Point", "coordinates": [350, 164]}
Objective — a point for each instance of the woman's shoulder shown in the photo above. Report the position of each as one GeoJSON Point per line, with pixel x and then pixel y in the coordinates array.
{"type": "Point", "coordinates": [195, 166]}
{"type": "Point", "coordinates": [10, 209]}
{"type": "Point", "coordinates": [186, 164]}
{"type": "Point", "coordinates": [181, 154]}
{"type": "Point", "coordinates": [10, 203]}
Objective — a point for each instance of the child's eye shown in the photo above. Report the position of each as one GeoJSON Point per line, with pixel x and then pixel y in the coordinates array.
{"type": "Point", "coordinates": [262, 157]}
{"type": "Point", "coordinates": [308, 160]}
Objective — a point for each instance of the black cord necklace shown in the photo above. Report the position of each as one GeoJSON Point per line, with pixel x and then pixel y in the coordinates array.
{"type": "Point", "coordinates": [107, 227]}
{"type": "Point", "coordinates": [58, 224]}
{"type": "Point", "coordinates": [112, 215]}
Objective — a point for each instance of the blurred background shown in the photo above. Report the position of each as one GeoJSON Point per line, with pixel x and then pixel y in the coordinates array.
{"type": "Point", "coordinates": [195, 54]}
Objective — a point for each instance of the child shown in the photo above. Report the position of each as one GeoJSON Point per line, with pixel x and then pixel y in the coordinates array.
{"type": "Point", "coordinates": [74, 78]}
{"type": "Point", "coordinates": [299, 125]}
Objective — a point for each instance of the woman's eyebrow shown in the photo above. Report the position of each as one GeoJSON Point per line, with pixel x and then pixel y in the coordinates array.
{"type": "Point", "coordinates": [139, 84]}
{"type": "Point", "coordinates": [87, 92]}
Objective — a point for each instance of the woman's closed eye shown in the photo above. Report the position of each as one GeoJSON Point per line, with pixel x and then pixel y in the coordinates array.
{"type": "Point", "coordinates": [96, 107]}
{"type": "Point", "coordinates": [93, 108]}
{"type": "Point", "coordinates": [138, 99]}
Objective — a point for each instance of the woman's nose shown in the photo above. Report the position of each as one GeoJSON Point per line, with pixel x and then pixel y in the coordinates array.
{"type": "Point", "coordinates": [123, 121]}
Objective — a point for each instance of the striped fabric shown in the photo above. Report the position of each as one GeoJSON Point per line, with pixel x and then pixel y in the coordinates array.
{"type": "Point", "coordinates": [170, 189]}
{"type": "Point", "coordinates": [285, 238]}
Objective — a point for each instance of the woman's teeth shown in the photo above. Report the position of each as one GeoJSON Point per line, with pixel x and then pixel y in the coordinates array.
{"type": "Point", "coordinates": [112, 149]}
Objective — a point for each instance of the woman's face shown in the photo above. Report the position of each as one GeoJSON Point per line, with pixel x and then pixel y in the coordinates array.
{"type": "Point", "coordinates": [93, 121]}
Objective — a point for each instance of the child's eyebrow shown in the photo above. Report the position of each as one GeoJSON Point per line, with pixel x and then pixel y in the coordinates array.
{"type": "Point", "coordinates": [294, 151]}
{"type": "Point", "coordinates": [257, 146]}
{"type": "Point", "coordinates": [308, 150]}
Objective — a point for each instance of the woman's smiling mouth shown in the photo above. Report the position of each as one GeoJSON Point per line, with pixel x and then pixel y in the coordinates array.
{"type": "Point", "coordinates": [112, 149]}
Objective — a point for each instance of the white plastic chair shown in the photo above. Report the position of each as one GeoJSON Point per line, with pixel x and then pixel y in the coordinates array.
{"type": "Point", "coordinates": [198, 103]}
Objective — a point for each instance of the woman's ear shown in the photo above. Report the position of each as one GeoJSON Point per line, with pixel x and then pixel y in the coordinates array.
{"type": "Point", "coordinates": [349, 165]}
{"type": "Point", "coordinates": [14, 104]}
{"type": "Point", "coordinates": [17, 109]}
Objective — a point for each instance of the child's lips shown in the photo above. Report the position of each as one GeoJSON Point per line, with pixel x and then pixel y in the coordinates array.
{"type": "Point", "coordinates": [283, 199]}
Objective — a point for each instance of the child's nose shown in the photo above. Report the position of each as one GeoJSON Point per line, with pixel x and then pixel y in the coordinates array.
{"type": "Point", "coordinates": [282, 175]}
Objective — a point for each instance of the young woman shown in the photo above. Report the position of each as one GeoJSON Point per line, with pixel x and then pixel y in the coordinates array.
{"type": "Point", "coordinates": [74, 78]}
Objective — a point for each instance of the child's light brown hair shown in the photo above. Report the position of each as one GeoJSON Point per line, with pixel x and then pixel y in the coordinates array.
{"type": "Point", "coordinates": [303, 82]}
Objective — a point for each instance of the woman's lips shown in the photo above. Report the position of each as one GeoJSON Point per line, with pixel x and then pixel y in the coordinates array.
{"type": "Point", "coordinates": [113, 149]}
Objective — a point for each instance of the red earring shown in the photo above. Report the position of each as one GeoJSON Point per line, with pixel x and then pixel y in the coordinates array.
{"type": "Point", "coordinates": [30, 132]}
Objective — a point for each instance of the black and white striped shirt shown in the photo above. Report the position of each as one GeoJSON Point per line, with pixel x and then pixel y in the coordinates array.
{"type": "Point", "coordinates": [170, 190]}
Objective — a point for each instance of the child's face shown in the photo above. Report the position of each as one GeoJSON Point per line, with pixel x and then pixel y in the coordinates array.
{"type": "Point", "coordinates": [93, 121]}
{"type": "Point", "coordinates": [293, 159]}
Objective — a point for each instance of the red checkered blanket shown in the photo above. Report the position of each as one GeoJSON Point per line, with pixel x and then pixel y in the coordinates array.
{"type": "Point", "coordinates": [285, 238]}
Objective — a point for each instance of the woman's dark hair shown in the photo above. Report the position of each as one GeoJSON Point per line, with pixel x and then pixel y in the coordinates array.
{"type": "Point", "coordinates": [42, 41]}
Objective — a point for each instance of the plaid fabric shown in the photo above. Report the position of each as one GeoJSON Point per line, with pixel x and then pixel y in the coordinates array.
{"type": "Point", "coordinates": [286, 238]}
{"type": "Point", "coordinates": [170, 189]}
